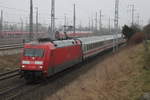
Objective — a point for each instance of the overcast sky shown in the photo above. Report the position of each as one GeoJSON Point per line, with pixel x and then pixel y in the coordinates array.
{"type": "Point", "coordinates": [14, 10]}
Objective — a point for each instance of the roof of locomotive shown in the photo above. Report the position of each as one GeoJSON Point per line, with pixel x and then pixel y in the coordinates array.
{"type": "Point", "coordinates": [54, 44]}
{"type": "Point", "coordinates": [35, 44]}
{"type": "Point", "coordinates": [63, 43]}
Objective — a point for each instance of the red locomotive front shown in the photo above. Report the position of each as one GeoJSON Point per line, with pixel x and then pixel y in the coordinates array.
{"type": "Point", "coordinates": [35, 60]}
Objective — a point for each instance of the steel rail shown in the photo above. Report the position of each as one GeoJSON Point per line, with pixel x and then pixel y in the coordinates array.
{"type": "Point", "coordinates": [11, 89]}
{"type": "Point", "coordinates": [9, 74]}
{"type": "Point", "coordinates": [13, 46]}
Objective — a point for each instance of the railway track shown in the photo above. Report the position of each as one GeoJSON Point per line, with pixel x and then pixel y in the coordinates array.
{"type": "Point", "coordinates": [19, 89]}
{"type": "Point", "coordinates": [10, 41]}
{"type": "Point", "coordinates": [12, 89]}
{"type": "Point", "coordinates": [7, 90]}
{"type": "Point", "coordinates": [12, 46]}
{"type": "Point", "coordinates": [8, 75]}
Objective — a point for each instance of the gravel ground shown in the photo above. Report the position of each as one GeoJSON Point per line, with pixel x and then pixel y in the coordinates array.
{"type": "Point", "coordinates": [9, 62]}
{"type": "Point", "coordinates": [10, 52]}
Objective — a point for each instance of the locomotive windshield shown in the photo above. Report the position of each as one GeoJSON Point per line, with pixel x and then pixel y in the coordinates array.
{"type": "Point", "coordinates": [30, 52]}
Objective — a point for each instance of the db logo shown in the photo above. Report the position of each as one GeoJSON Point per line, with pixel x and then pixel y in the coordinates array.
{"type": "Point", "coordinates": [31, 62]}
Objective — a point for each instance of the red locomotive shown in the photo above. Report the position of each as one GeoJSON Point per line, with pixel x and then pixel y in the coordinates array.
{"type": "Point", "coordinates": [47, 58]}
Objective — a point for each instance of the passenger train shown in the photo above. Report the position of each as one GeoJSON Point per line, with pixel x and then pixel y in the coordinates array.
{"type": "Point", "coordinates": [44, 58]}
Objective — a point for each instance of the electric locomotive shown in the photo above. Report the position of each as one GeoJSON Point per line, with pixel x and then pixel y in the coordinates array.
{"type": "Point", "coordinates": [45, 59]}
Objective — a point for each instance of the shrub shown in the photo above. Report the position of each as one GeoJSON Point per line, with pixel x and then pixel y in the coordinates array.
{"type": "Point", "coordinates": [137, 38]}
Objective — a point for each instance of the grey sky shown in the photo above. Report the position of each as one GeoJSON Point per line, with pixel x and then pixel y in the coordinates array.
{"type": "Point", "coordinates": [85, 9]}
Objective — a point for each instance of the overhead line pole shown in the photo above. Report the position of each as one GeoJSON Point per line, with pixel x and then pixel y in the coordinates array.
{"type": "Point", "coordinates": [89, 24]}
{"type": "Point", "coordinates": [31, 21]}
{"type": "Point", "coordinates": [133, 11]}
{"type": "Point", "coordinates": [96, 22]}
{"type": "Point", "coordinates": [92, 26]}
{"type": "Point", "coordinates": [109, 26]}
{"type": "Point", "coordinates": [74, 18]}
{"type": "Point", "coordinates": [116, 20]}
{"type": "Point", "coordinates": [138, 19]}
{"type": "Point", "coordinates": [100, 21]}
{"type": "Point", "coordinates": [21, 24]}
{"type": "Point", "coordinates": [52, 34]}
{"type": "Point", "coordinates": [65, 22]}
{"type": "Point", "coordinates": [1, 23]}
{"type": "Point", "coordinates": [37, 17]}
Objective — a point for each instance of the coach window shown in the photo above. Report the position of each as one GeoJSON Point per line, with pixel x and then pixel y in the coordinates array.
{"type": "Point", "coordinates": [101, 43]}
{"type": "Point", "coordinates": [85, 47]}
{"type": "Point", "coordinates": [88, 46]}
{"type": "Point", "coordinates": [91, 46]}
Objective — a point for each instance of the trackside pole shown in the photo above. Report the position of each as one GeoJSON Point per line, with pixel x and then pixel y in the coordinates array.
{"type": "Point", "coordinates": [115, 35]}
{"type": "Point", "coordinates": [52, 33]}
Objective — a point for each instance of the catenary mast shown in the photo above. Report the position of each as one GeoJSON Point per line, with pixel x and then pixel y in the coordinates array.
{"type": "Point", "coordinates": [116, 20]}
{"type": "Point", "coordinates": [52, 33]}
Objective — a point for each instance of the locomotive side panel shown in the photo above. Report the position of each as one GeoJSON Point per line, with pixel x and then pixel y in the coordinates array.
{"type": "Point", "coordinates": [66, 57]}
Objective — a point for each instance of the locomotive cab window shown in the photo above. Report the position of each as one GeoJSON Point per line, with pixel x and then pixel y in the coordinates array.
{"type": "Point", "coordinates": [34, 52]}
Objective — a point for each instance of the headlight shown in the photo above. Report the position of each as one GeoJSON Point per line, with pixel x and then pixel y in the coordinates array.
{"type": "Point", "coordinates": [23, 66]}
{"type": "Point", "coordinates": [39, 62]}
{"type": "Point", "coordinates": [25, 62]}
{"type": "Point", "coordinates": [40, 67]}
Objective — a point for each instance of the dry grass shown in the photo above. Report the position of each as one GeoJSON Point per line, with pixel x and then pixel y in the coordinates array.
{"type": "Point", "coordinates": [137, 38]}
{"type": "Point", "coordinates": [116, 78]}
{"type": "Point", "coordinates": [146, 71]}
